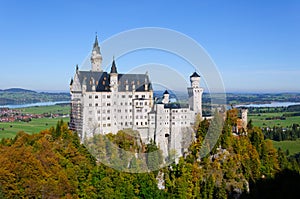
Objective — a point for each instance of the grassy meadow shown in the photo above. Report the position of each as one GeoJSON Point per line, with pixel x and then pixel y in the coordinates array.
{"type": "Point", "coordinates": [292, 145]}
{"type": "Point", "coordinates": [35, 125]}
{"type": "Point", "coordinates": [260, 119]}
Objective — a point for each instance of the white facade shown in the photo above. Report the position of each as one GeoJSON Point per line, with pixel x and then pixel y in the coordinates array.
{"type": "Point", "coordinates": [103, 102]}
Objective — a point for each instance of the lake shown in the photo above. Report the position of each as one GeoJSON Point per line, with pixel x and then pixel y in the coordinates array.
{"type": "Point", "coordinates": [34, 104]}
{"type": "Point", "coordinates": [272, 104]}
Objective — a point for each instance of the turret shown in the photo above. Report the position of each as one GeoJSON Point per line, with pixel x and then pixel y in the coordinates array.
{"type": "Point", "coordinates": [96, 58]}
{"type": "Point", "coordinates": [195, 94]}
{"type": "Point", "coordinates": [195, 80]}
{"type": "Point", "coordinates": [166, 97]}
{"type": "Point", "coordinates": [113, 77]}
{"type": "Point", "coordinates": [244, 117]}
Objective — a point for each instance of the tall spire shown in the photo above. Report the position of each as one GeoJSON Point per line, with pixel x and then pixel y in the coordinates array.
{"type": "Point", "coordinates": [113, 68]}
{"type": "Point", "coordinates": [96, 45]}
{"type": "Point", "coordinates": [96, 58]}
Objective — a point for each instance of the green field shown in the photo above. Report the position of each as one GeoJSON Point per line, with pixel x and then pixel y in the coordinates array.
{"type": "Point", "coordinates": [56, 109]}
{"type": "Point", "coordinates": [35, 125]}
{"type": "Point", "coordinates": [292, 145]}
{"type": "Point", "coordinates": [260, 119]}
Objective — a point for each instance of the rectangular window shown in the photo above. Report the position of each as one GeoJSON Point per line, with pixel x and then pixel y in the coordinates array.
{"type": "Point", "coordinates": [136, 96]}
{"type": "Point", "coordinates": [143, 96]}
{"type": "Point", "coordinates": [90, 97]}
{"type": "Point", "coordinates": [96, 96]}
{"type": "Point", "coordinates": [103, 96]}
{"type": "Point", "coordinates": [123, 96]}
{"type": "Point", "coordinates": [108, 96]}
{"type": "Point", "coordinates": [90, 105]}
{"type": "Point", "coordinates": [104, 125]}
{"type": "Point", "coordinates": [108, 104]}
{"type": "Point", "coordinates": [96, 104]}
{"type": "Point", "coordinates": [130, 96]}
{"type": "Point", "coordinates": [108, 124]}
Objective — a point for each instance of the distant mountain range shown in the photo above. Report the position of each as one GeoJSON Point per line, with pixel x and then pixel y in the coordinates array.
{"type": "Point", "coordinates": [17, 90]}
{"type": "Point", "coordinates": [17, 96]}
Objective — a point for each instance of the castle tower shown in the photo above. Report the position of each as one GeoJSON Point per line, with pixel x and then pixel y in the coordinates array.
{"type": "Point", "coordinates": [166, 97]}
{"type": "Point", "coordinates": [195, 94]}
{"type": "Point", "coordinates": [244, 117]}
{"type": "Point", "coordinates": [96, 58]}
{"type": "Point", "coordinates": [113, 76]}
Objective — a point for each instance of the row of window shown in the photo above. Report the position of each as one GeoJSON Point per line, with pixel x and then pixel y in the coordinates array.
{"type": "Point", "coordinates": [122, 96]}
{"type": "Point", "coordinates": [96, 104]}
{"type": "Point", "coordinates": [121, 103]}
{"type": "Point", "coordinates": [125, 124]}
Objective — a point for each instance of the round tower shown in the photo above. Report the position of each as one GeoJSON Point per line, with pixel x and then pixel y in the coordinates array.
{"type": "Point", "coordinates": [195, 94]}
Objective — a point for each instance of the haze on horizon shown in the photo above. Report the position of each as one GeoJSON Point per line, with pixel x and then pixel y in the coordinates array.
{"type": "Point", "coordinates": [255, 44]}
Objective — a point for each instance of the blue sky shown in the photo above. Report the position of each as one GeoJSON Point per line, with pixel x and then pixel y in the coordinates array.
{"type": "Point", "coordinates": [255, 44]}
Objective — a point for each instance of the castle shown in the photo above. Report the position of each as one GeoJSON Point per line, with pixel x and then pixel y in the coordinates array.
{"type": "Point", "coordinates": [103, 102]}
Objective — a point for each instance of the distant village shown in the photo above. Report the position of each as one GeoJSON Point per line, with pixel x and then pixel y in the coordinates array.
{"type": "Point", "coordinates": [13, 115]}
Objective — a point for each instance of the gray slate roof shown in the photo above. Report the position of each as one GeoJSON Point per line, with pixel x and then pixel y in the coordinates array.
{"type": "Point", "coordinates": [102, 81]}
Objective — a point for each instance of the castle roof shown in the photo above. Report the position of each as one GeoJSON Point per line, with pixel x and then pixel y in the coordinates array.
{"type": "Point", "coordinates": [102, 81]}
{"type": "Point", "coordinates": [166, 92]}
{"type": "Point", "coordinates": [96, 46]}
{"type": "Point", "coordinates": [176, 106]}
{"type": "Point", "coordinates": [195, 74]}
{"type": "Point", "coordinates": [113, 68]}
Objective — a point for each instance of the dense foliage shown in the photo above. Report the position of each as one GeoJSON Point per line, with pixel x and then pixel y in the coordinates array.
{"type": "Point", "coordinates": [53, 164]}
{"type": "Point", "coordinates": [282, 133]}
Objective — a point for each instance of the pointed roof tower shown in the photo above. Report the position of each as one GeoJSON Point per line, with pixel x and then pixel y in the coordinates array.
{"type": "Point", "coordinates": [113, 68]}
{"type": "Point", "coordinates": [96, 45]}
{"type": "Point", "coordinates": [96, 57]}
{"type": "Point", "coordinates": [195, 74]}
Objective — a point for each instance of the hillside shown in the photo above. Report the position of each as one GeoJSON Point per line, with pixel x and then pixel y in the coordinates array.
{"type": "Point", "coordinates": [15, 96]}
{"type": "Point", "coordinates": [56, 165]}
{"type": "Point", "coordinates": [17, 90]}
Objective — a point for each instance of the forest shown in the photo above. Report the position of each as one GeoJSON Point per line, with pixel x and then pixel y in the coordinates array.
{"type": "Point", "coordinates": [54, 164]}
